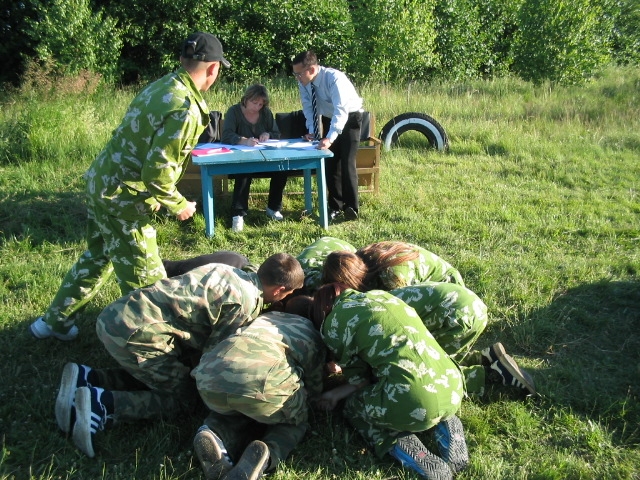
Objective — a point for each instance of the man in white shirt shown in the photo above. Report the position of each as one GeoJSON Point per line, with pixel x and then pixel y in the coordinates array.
{"type": "Point", "coordinates": [340, 108]}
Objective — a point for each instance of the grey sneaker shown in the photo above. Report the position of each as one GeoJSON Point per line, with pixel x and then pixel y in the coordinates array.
{"type": "Point", "coordinates": [449, 436]}
{"type": "Point", "coordinates": [412, 453]}
{"type": "Point", "coordinates": [212, 454]}
{"type": "Point", "coordinates": [40, 329]}
{"type": "Point", "coordinates": [73, 376]}
{"type": "Point", "coordinates": [252, 464]}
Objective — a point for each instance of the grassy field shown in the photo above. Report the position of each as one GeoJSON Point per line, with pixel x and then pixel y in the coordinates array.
{"type": "Point", "coordinates": [537, 203]}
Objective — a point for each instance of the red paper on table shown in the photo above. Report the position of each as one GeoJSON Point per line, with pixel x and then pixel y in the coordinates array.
{"type": "Point", "coordinates": [199, 152]}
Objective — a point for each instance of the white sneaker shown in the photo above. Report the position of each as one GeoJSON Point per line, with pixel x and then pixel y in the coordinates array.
{"type": "Point", "coordinates": [237, 223]}
{"type": "Point", "coordinates": [274, 214]}
{"type": "Point", "coordinates": [40, 329]}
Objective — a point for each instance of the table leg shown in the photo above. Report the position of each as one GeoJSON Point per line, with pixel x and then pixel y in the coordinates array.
{"type": "Point", "coordinates": [308, 197]}
{"type": "Point", "coordinates": [322, 194]}
{"type": "Point", "coordinates": [207, 200]}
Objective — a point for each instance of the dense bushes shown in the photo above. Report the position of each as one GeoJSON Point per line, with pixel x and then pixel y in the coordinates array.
{"type": "Point", "coordinates": [135, 40]}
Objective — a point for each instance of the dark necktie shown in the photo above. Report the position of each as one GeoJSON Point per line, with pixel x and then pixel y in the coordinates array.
{"type": "Point", "coordinates": [316, 130]}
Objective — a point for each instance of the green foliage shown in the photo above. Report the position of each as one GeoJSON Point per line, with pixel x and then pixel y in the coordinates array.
{"type": "Point", "coordinates": [381, 40]}
{"type": "Point", "coordinates": [560, 40]}
{"type": "Point", "coordinates": [474, 37]}
{"type": "Point", "coordinates": [625, 35]}
{"type": "Point", "coordinates": [76, 37]}
{"type": "Point", "coordinates": [394, 40]}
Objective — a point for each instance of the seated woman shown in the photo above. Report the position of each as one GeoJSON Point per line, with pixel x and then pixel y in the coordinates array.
{"type": "Point", "coordinates": [400, 381]}
{"type": "Point", "coordinates": [248, 123]}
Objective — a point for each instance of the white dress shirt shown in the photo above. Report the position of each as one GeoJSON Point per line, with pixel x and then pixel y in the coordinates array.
{"type": "Point", "coordinates": [336, 98]}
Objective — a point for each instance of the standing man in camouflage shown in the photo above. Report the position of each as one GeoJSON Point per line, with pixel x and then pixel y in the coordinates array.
{"type": "Point", "coordinates": [258, 384]}
{"type": "Point", "coordinates": [133, 177]}
{"type": "Point", "coordinates": [156, 334]}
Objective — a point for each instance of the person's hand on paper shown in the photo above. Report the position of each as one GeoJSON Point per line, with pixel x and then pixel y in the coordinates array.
{"type": "Point", "coordinates": [324, 144]}
{"type": "Point", "coordinates": [188, 212]}
{"type": "Point", "coordinates": [252, 142]}
{"type": "Point", "coordinates": [264, 137]}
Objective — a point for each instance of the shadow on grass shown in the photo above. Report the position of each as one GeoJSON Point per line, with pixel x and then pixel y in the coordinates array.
{"type": "Point", "coordinates": [590, 342]}
{"type": "Point", "coordinates": [44, 216]}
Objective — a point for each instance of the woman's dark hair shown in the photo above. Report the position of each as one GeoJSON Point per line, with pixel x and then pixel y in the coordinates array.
{"type": "Point", "coordinates": [323, 301]}
{"type": "Point", "coordinates": [345, 268]}
{"type": "Point", "coordinates": [382, 255]}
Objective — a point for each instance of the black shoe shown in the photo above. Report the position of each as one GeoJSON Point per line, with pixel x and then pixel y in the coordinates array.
{"type": "Point", "coordinates": [505, 370]}
{"type": "Point", "coordinates": [212, 454]}
{"type": "Point", "coordinates": [350, 214]}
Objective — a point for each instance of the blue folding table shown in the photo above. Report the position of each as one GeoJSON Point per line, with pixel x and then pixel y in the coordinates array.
{"type": "Point", "coordinates": [270, 159]}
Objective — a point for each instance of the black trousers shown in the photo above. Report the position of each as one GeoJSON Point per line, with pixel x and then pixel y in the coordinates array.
{"type": "Point", "coordinates": [242, 185]}
{"type": "Point", "coordinates": [342, 177]}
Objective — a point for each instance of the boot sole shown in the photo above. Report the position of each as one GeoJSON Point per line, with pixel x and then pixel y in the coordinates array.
{"type": "Point", "coordinates": [414, 455]}
{"type": "Point", "coordinates": [252, 463]}
{"type": "Point", "coordinates": [66, 394]}
{"type": "Point", "coordinates": [456, 454]}
{"type": "Point", "coordinates": [213, 463]}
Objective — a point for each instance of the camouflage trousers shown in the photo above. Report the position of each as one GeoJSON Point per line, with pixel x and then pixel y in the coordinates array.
{"type": "Point", "coordinates": [379, 418]}
{"type": "Point", "coordinates": [124, 246]}
{"type": "Point", "coordinates": [156, 358]}
{"type": "Point", "coordinates": [237, 431]}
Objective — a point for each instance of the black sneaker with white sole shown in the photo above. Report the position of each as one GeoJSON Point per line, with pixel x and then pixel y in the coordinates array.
{"type": "Point", "coordinates": [94, 410]}
{"type": "Point", "coordinates": [507, 371]}
{"type": "Point", "coordinates": [74, 376]}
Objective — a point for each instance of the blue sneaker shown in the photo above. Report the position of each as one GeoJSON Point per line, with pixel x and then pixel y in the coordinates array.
{"type": "Point", "coordinates": [212, 454]}
{"type": "Point", "coordinates": [449, 436]}
{"type": "Point", "coordinates": [94, 409]}
{"type": "Point", "coordinates": [73, 376]}
{"type": "Point", "coordinates": [411, 453]}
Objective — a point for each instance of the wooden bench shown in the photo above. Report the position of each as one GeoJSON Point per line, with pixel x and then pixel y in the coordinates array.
{"type": "Point", "coordinates": [292, 125]}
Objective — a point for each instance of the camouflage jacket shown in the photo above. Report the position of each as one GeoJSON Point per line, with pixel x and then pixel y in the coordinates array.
{"type": "Point", "coordinates": [146, 156]}
{"type": "Point", "coordinates": [266, 363]}
{"type": "Point", "coordinates": [200, 308]}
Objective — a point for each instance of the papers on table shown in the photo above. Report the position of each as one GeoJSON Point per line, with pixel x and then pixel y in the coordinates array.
{"type": "Point", "coordinates": [206, 149]}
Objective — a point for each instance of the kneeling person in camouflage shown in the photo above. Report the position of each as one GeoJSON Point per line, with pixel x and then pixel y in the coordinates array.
{"type": "Point", "coordinates": [155, 333]}
{"type": "Point", "coordinates": [259, 380]}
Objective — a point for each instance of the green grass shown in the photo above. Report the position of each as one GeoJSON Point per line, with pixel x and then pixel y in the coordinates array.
{"type": "Point", "coordinates": [536, 203]}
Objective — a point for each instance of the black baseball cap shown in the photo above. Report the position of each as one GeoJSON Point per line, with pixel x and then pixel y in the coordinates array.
{"type": "Point", "coordinates": [204, 47]}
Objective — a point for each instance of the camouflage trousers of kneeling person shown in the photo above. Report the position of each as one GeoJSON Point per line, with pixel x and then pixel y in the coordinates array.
{"type": "Point", "coordinates": [379, 418]}
{"type": "Point", "coordinates": [156, 359]}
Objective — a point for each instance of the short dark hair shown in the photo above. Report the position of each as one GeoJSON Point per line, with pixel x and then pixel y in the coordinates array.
{"type": "Point", "coordinates": [255, 91]}
{"type": "Point", "coordinates": [281, 269]}
{"type": "Point", "coordinates": [306, 58]}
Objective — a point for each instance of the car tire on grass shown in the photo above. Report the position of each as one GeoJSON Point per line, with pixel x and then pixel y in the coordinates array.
{"type": "Point", "coordinates": [418, 122]}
